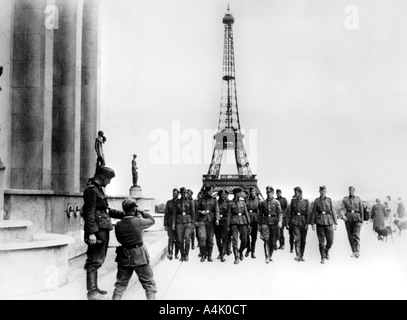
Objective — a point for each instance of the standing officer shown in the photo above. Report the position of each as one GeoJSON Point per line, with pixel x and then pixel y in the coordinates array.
{"type": "Point", "coordinates": [172, 237]}
{"type": "Point", "coordinates": [353, 217]}
{"type": "Point", "coordinates": [221, 230]}
{"type": "Point", "coordinates": [271, 221]}
{"type": "Point", "coordinates": [323, 215]}
{"type": "Point", "coordinates": [183, 220]}
{"type": "Point", "coordinates": [133, 256]}
{"type": "Point", "coordinates": [238, 221]}
{"type": "Point", "coordinates": [298, 217]}
{"type": "Point", "coordinates": [253, 205]}
{"type": "Point", "coordinates": [207, 215]}
{"type": "Point", "coordinates": [190, 194]}
{"type": "Point", "coordinates": [284, 206]}
{"type": "Point", "coordinates": [96, 214]}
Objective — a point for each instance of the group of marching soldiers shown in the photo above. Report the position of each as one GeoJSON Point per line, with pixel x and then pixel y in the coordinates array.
{"type": "Point", "coordinates": [242, 219]}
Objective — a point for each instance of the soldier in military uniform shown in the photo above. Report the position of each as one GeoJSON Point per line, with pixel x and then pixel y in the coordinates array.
{"type": "Point", "coordinates": [183, 220]}
{"type": "Point", "coordinates": [221, 230]}
{"type": "Point", "coordinates": [132, 255]}
{"type": "Point", "coordinates": [97, 214]}
{"type": "Point", "coordinates": [353, 217]}
{"type": "Point", "coordinates": [271, 220]}
{"type": "Point", "coordinates": [207, 216]}
{"type": "Point", "coordinates": [238, 221]}
{"type": "Point", "coordinates": [284, 206]}
{"type": "Point", "coordinates": [253, 205]}
{"type": "Point", "coordinates": [323, 215]}
{"type": "Point", "coordinates": [172, 237]}
{"type": "Point", "coordinates": [190, 194]}
{"type": "Point", "coordinates": [298, 218]}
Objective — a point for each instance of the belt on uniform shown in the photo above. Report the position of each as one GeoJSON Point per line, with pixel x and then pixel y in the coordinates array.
{"type": "Point", "coordinates": [238, 214]}
{"type": "Point", "coordinates": [253, 211]}
{"type": "Point", "coordinates": [137, 245]}
{"type": "Point", "coordinates": [183, 214]}
{"type": "Point", "coordinates": [352, 211]}
{"type": "Point", "coordinates": [222, 216]}
{"type": "Point", "coordinates": [324, 212]}
{"type": "Point", "coordinates": [269, 215]}
{"type": "Point", "coordinates": [300, 214]}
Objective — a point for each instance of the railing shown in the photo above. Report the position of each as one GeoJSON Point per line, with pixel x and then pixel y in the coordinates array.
{"type": "Point", "coordinates": [229, 177]}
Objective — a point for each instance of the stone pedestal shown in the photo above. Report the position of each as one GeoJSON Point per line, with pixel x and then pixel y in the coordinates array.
{"type": "Point", "coordinates": [136, 192]}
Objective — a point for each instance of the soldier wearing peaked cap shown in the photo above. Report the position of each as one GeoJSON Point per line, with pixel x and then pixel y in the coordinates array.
{"type": "Point", "coordinates": [253, 206]}
{"type": "Point", "coordinates": [238, 220]}
{"type": "Point", "coordinates": [271, 220]}
{"type": "Point", "coordinates": [168, 216]}
{"type": "Point", "coordinates": [132, 255]}
{"type": "Point", "coordinates": [284, 206]}
{"type": "Point", "coordinates": [298, 218]}
{"type": "Point", "coordinates": [323, 215]}
{"type": "Point", "coordinates": [353, 217]}
{"type": "Point", "coordinates": [183, 221]}
{"type": "Point", "coordinates": [190, 194]}
{"type": "Point", "coordinates": [207, 216]}
{"type": "Point", "coordinates": [221, 230]}
{"type": "Point", "coordinates": [97, 214]}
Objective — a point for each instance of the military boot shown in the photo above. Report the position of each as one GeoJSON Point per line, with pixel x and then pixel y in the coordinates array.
{"type": "Point", "coordinates": [102, 292]}
{"type": "Point", "coordinates": [222, 254]}
{"type": "Point", "coordinates": [176, 250]}
{"type": "Point", "coordinates": [236, 253]}
{"type": "Point", "coordinates": [91, 286]}
{"type": "Point", "coordinates": [202, 253]}
{"type": "Point", "coordinates": [210, 248]}
{"type": "Point", "coordinates": [241, 255]}
{"type": "Point", "coordinates": [170, 250]}
{"type": "Point", "coordinates": [116, 296]}
{"type": "Point", "coordinates": [298, 253]}
{"type": "Point", "coordinates": [186, 256]}
{"type": "Point", "coordinates": [248, 247]}
{"type": "Point", "coordinates": [253, 250]}
{"type": "Point", "coordinates": [150, 296]}
{"type": "Point", "coordinates": [266, 252]}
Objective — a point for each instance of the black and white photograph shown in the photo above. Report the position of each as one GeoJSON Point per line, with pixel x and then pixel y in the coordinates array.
{"type": "Point", "coordinates": [203, 150]}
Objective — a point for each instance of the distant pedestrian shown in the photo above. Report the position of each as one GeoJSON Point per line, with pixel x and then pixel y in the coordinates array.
{"type": "Point", "coordinates": [401, 210]}
{"type": "Point", "coordinates": [379, 214]}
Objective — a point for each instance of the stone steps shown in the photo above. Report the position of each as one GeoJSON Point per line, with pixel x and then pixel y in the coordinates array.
{"type": "Point", "coordinates": [75, 289]}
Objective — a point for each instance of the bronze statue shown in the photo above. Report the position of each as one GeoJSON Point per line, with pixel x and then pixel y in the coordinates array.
{"type": "Point", "coordinates": [100, 140]}
{"type": "Point", "coordinates": [134, 170]}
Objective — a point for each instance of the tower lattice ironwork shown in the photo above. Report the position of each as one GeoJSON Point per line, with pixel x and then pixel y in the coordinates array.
{"type": "Point", "coordinates": [229, 135]}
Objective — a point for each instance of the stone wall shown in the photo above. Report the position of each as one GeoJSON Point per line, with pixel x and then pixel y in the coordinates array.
{"type": "Point", "coordinates": [48, 211]}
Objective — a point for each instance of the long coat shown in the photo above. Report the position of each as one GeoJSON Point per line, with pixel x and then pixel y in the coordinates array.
{"type": "Point", "coordinates": [379, 214]}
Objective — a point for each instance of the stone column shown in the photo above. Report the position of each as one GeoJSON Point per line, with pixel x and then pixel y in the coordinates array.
{"type": "Point", "coordinates": [2, 169]}
{"type": "Point", "coordinates": [90, 89]}
{"type": "Point", "coordinates": [67, 97]}
{"type": "Point", "coordinates": [31, 121]}
{"type": "Point", "coordinates": [6, 44]}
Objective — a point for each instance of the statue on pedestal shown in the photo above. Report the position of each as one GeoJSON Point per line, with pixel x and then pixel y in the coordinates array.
{"type": "Point", "coordinates": [100, 140]}
{"type": "Point", "coordinates": [134, 171]}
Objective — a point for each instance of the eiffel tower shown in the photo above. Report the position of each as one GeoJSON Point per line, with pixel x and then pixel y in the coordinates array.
{"type": "Point", "coordinates": [229, 135]}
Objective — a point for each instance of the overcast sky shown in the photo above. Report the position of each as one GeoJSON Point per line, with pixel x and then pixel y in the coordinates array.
{"type": "Point", "coordinates": [321, 104]}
